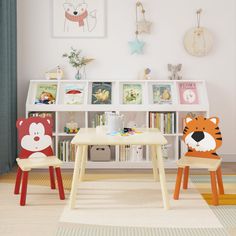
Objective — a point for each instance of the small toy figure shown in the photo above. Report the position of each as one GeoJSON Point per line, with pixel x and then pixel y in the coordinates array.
{"type": "Point", "coordinates": [174, 69]}
{"type": "Point", "coordinates": [147, 74]}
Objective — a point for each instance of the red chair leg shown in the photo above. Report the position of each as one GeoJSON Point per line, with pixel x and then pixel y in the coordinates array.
{"type": "Point", "coordinates": [178, 183]}
{"type": "Point", "coordinates": [60, 184]}
{"type": "Point", "coordinates": [18, 181]}
{"type": "Point", "coordinates": [52, 177]}
{"type": "Point", "coordinates": [215, 200]}
{"type": "Point", "coordinates": [220, 181]}
{"type": "Point", "coordinates": [186, 176]}
{"type": "Point", "coordinates": [24, 188]}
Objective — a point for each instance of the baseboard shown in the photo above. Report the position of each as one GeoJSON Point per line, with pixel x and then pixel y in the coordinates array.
{"type": "Point", "coordinates": [228, 157]}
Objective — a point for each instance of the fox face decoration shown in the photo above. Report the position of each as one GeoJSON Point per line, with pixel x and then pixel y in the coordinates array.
{"type": "Point", "coordinates": [202, 137]}
{"type": "Point", "coordinates": [35, 137]}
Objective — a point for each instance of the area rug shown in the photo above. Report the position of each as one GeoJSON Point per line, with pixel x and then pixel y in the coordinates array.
{"type": "Point", "coordinates": [134, 207]}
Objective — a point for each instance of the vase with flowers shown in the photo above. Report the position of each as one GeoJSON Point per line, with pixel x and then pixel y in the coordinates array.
{"type": "Point", "coordinates": [78, 61]}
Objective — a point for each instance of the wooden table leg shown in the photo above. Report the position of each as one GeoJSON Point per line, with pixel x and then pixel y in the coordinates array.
{"type": "Point", "coordinates": [83, 163]}
{"type": "Point", "coordinates": [165, 196]}
{"type": "Point", "coordinates": [154, 162]}
{"type": "Point", "coordinates": [75, 179]}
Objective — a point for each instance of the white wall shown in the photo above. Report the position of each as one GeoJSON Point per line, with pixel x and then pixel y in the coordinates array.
{"type": "Point", "coordinates": [38, 51]}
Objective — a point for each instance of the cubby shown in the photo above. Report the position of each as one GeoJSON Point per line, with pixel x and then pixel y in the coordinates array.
{"type": "Point", "coordinates": [136, 114]}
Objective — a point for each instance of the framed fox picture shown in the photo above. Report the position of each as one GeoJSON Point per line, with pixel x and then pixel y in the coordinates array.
{"type": "Point", "coordinates": [79, 18]}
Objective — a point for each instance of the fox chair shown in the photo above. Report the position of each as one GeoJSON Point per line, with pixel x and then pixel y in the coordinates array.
{"type": "Point", "coordinates": [196, 134]}
{"type": "Point", "coordinates": [35, 141]}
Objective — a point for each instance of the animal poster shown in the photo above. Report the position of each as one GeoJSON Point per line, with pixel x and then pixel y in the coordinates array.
{"type": "Point", "coordinates": [132, 94]}
{"type": "Point", "coordinates": [101, 92]}
{"type": "Point", "coordinates": [46, 93]}
{"type": "Point", "coordinates": [74, 94]}
{"type": "Point", "coordinates": [162, 94]}
{"type": "Point", "coordinates": [79, 18]}
{"type": "Point", "coordinates": [188, 93]}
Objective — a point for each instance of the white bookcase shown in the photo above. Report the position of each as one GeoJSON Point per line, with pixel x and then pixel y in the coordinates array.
{"type": "Point", "coordinates": [139, 114]}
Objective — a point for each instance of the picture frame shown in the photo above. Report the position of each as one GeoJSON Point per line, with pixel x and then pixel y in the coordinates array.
{"type": "Point", "coordinates": [46, 94]}
{"type": "Point", "coordinates": [101, 93]}
{"type": "Point", "coordinates": [188, 93]}
{"type": "Point", "coordinates": [79, 18]}
{"type": "Point", "coordinates": [162, 93]}
{"type": "Point", "coordinates": [132, 93]}
{"type": "Point", "coordinates": [74, 94]}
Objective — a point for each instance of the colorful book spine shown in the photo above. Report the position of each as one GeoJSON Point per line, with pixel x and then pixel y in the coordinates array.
{"type": "Point", "coordinates": [164, 121]}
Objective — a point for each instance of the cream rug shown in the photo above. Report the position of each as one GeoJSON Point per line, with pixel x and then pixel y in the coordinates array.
{"type": "Point", "coordinates": [138, 203]}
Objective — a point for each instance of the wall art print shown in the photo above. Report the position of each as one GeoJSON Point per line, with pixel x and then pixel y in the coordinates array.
{"type": "Point", "coordinates": [79, 18]}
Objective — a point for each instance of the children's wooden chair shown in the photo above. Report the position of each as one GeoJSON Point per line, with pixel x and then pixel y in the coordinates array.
{"type": "Point", "coordinates": [202, 136]}
{"type": "Point", "coordinates": [35, 139]}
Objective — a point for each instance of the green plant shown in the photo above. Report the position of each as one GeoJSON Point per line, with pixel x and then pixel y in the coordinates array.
{"type": "Point", "coordinates": [75, 58]}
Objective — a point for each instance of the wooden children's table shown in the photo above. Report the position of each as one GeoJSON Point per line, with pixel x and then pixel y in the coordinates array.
{"type": "Point", "coordinates": [91, 136]}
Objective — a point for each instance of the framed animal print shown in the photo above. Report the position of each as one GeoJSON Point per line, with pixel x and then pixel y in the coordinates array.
{"type": "Point", "coordinates": [79, 18]}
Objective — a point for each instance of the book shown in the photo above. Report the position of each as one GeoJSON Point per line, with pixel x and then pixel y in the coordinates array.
{"type": "Point", "coordinates": [162, 94]}
{"type": "Point", "coordinates": [46, 93]}
{"type": "Point", "coordinates": [101, 92]}
{"type": "Point", "coordinates": [188, 93]}
{"type": "Point", "coordinates": [132, 94]}
{"type": "Point", "coordinates": [74, 94]}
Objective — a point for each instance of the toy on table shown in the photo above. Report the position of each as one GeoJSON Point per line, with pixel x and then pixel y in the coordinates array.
{"type": "Point", "coordinates": [126, 132]}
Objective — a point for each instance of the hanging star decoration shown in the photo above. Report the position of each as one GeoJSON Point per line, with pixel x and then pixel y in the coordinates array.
{"type": "Point", "coordinates": [142, 26]}
{"type": "Point", "coordinates": [136, 46]}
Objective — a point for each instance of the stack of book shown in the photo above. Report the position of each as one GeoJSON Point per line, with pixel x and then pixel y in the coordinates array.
{"type": "Point", "coordinates": [131, 153]}
{"type": "Point", "coordinates": [165, 122]}
{"type": "Point", "coordinates": [99, 119]}
{"type": "Point", "coordinates": [66, 151]}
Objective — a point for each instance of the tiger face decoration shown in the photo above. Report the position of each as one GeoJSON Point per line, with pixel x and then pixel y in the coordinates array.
{"type": "Point", "coordinates": [202, 137]}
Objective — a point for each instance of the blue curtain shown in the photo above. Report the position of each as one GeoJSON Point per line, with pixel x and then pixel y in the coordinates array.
{"type": "Point", "coordinates": [8, 84]}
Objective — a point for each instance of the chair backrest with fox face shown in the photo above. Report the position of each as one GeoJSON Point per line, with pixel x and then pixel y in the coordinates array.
{"type": "Point", "coordinates": [35, 137]}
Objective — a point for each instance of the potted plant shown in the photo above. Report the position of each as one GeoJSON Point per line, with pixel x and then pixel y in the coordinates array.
{"type": "Point", "coordinates": [77, 61]}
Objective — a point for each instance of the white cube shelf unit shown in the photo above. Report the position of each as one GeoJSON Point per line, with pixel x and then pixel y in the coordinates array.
{"type": "Point", "coordinates": [178, 103]}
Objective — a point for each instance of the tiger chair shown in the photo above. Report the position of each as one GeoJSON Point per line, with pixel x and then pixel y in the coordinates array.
{"type": "Point", "coordinates": [35, 139]}
{"type": "Point", "coordinates": [213, 165]}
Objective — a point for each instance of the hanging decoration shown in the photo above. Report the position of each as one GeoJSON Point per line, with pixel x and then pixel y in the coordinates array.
{"type": "Point", "coordinates": [142, 26]}
{"type": "Point", "coordinates": [198, 41]}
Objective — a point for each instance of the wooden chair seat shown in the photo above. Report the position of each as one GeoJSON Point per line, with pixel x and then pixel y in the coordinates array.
{"type": "Point", "coordinates": [199, 163]}
{"type": "Point", "coordinates": [40, 162]}
{"type": "Point", "coordinates": [212, 165]}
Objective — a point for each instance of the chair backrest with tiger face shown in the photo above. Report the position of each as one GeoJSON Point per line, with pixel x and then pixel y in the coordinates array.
{"type": "Point", "coordinates": [202, 136]}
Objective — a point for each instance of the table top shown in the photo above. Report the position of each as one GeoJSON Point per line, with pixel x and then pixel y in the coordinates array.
{"type": "Point", "coordinates": [90, 136]}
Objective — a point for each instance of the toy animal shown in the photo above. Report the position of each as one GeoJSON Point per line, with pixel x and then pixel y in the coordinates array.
{"type": "Point", "coordinates": [202, 137]}
{"type": "Point", "coordinates": [35, 137]}
{"type": "Point", "coordinates": [174, 69]}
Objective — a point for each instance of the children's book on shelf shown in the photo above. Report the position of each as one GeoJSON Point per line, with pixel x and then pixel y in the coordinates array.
{"type": "Point", "coordinates": [132, 153]}
{"type": "Point", "coordinates": [188, 93]}
{"type": "Point", "coordinates": [101, 92]}
{"type": "Point", "coordinates": [74, 94]}
{"type": "Point", "coordinates": [46, 93]}
{"type": "Point", "coordinates": [66, 151]}
{"type": "Point", "coordinates": [132, 93]}
{"type": "Point", "coordinates": [165, 122]}
{"type": "Point", "coordinates": [98, 119]}
{"type": "Point", "coordinates": [162, 93]}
